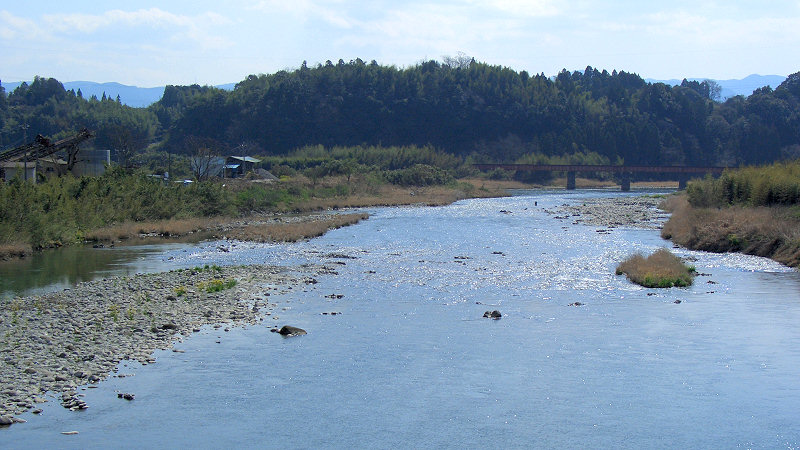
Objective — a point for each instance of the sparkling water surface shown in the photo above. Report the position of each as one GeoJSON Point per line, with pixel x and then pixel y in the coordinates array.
{"type": "Point", "coordinates": [410, 362]}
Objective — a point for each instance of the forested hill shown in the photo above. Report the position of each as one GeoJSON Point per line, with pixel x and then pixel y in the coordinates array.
{"type": "Point", "coordinates": [463, 107]}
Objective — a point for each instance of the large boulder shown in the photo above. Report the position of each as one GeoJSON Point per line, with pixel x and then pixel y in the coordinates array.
{"type": "Point", "coordinates": [492, 314]}
{"type": "Point", "coordinates": [289, 331]}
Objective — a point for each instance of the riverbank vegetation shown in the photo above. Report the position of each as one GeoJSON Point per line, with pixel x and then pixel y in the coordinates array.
{"type": "Point", "coordinates": [351, 134]}
{"type": "Point", "coordinates": [753, 210]}
{"type": "Point", "coordinates": [662, 269]}
{"type": "Point", "coordinates": [122, 204]}
{"type": "Point", "coordinates": [458, 106]}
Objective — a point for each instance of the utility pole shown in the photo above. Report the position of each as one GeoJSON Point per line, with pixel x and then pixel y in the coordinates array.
{"type": "Point", "coordinates": [25, 142]}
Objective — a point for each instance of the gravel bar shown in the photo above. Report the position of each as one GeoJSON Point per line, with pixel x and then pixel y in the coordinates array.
{"type": "Point", "coordinates": [637, 212]}
{"type": "Point", "coordinates": [56, 342]}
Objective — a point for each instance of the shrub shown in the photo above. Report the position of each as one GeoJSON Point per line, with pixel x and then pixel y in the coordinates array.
{"type": "Point", "coordinates": [499, 174]}
{"type": "Point", "coordinates": [778, 184]}
{"type": "Point", "coordinates": [662, 269]}
{"type": "Point", "coordinates": [419, 175]}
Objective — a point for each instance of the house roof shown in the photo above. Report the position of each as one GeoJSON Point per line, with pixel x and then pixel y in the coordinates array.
{"type": "Point", "coordinates": [17, 164]}
{"type": "Point", "coordinates": [245, 159]}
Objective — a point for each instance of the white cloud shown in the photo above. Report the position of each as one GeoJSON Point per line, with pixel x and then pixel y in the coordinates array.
{"type": "Point", "coordinates": [152, 18]}
{"type": "Point", "coordinates": [521, 8]}
{"type": "Point", "coordinates": [705, 30]}
{"type": "Point", "coordinates": [254, 36]}
{"type": "Point", "coordinates": [199, 29]}
{"type": "Point", "coordinates": [13, 27]}
{"type": "Point", "coordinates": [435, 27]}
{"type": "Point", "coordinates": [330, 11]}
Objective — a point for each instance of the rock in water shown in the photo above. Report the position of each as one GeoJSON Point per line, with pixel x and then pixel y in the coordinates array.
{"type": "Point", "coordinates": [288, 331]}
{"type": "Point", "coordinates": [493, 314]}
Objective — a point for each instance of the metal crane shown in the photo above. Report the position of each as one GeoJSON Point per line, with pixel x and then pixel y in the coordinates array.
{"type": "Point", "coordinates": [43, 147]}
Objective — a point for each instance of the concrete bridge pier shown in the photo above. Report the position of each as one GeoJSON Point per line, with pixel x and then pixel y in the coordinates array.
{"type": "Point", "coordinates": [570, 181]}
{"type": "Point", "coordinates": [625, 182]}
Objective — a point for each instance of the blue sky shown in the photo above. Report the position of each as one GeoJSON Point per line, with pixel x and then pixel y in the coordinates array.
{"type": "Point", "coordinates": [148, 43]}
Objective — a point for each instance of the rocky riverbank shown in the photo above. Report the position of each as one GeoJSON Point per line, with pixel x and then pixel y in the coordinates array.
{"type": "Point", "coordinates": [639, 212]}
{"type": "Point", "coordinates": [56, 342]}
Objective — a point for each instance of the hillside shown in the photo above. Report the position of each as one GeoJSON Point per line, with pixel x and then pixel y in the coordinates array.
{"type": "Point", "coordinates": [465, 108]}
{"type": "Point", "coordinates": [141, 97]}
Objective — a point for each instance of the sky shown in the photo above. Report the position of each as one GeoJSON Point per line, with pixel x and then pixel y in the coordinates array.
{"type": "Point", "coordinates": [148, 44]}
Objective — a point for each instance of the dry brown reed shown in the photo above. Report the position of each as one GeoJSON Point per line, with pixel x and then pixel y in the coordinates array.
{"type": "Point", "coordinates": [162, 228]}
{"type": "Point", "coordinates": [390, 195]}
{"type": "Point", "coordinates": [294, 231]}
{"type": "Point", "coordinates": [772, 232]}
{"type": "Point", "coordinates": [9, 251]}
{"type": "Point", "coordinates": [662, 269]}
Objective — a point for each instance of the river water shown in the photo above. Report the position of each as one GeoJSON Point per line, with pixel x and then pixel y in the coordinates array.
{"type": "Point", "coordinates": [410, 362]}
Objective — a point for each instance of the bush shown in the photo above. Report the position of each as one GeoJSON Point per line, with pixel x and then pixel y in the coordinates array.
{"type": "Point", "coordinates": [282, 170]}
{"type": "Point", "coordinates": [419, 175]}
{"type": "Point", "coordinates": [778, 184]}
{"type": "Point", "coordinates": [662, 269]}
{"type": "Point", "coordinates": [59, 210]}
{"type": "Point", "coordinates": [499, 175]}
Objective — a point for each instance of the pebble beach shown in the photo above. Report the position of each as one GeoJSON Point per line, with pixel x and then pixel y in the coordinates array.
{"type": "Point", "coordinates": [639, 212]}
{"type": "Point", "coordinates": [54, 343]}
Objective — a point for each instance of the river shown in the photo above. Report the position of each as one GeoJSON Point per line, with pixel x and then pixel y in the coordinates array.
{"type": "Point", "coordinates": [410, 362]}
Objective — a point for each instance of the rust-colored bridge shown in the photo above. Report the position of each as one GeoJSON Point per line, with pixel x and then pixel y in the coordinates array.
{"type": "Point", "coordinates": [683, 172]}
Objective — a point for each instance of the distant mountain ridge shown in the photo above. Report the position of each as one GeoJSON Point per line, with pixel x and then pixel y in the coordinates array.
{"type": "Point", "coordinates": [134, 96]}
{"type": "Point", "coordinates": [732, 88]}
{"type": "Point", "coordinates": [138, 97]}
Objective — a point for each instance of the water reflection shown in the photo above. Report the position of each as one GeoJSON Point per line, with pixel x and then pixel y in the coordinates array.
{"type": "Point", "coordinates": [61, 268]}
{"type": "Point", "coordinates": [410, 362]}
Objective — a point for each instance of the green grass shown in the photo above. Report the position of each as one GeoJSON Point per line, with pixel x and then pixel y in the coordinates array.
{"type": "Point", "coordinates": [113, 310]}
{"type": "Point", "coordinates": [217, 285]}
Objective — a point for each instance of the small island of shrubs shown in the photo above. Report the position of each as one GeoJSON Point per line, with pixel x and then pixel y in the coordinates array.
{"type": "Point", "coordinates": [662, 269]}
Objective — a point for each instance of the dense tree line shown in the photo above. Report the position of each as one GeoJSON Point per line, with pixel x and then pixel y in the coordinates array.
{"type": "Point", "coordinates": [461, 106]}
{"type": "Point", "coordinates": [45, 107]}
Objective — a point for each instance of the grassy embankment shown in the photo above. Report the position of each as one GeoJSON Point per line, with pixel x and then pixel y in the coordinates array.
{"type": "Point", "coordinates": [121, 205]}
{"type": "Point", "coordinates": [754, 210]}
{"type": "Point", "coordinates": [662, 269]}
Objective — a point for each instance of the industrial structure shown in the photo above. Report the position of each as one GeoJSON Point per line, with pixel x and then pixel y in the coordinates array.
{"type": "Point", "coordinates": [24, 160]}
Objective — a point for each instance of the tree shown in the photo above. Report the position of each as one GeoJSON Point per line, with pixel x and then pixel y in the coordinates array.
{"type": "Point", "coordinates": [460, 61]}
{"type": "Point", "coordinates": [203, 160]}
{"type": "Point", "coordinates": [714, 90]}
{"type": "Point", "coordinates": [123, 143]}
{"type": "Point", "coordinates": [203, 163]}
{"type": "Point", "coordinates": [3, 104]}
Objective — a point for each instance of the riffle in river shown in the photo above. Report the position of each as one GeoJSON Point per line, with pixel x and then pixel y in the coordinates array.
{"type": "Point", "coordinates": [409, 361]}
